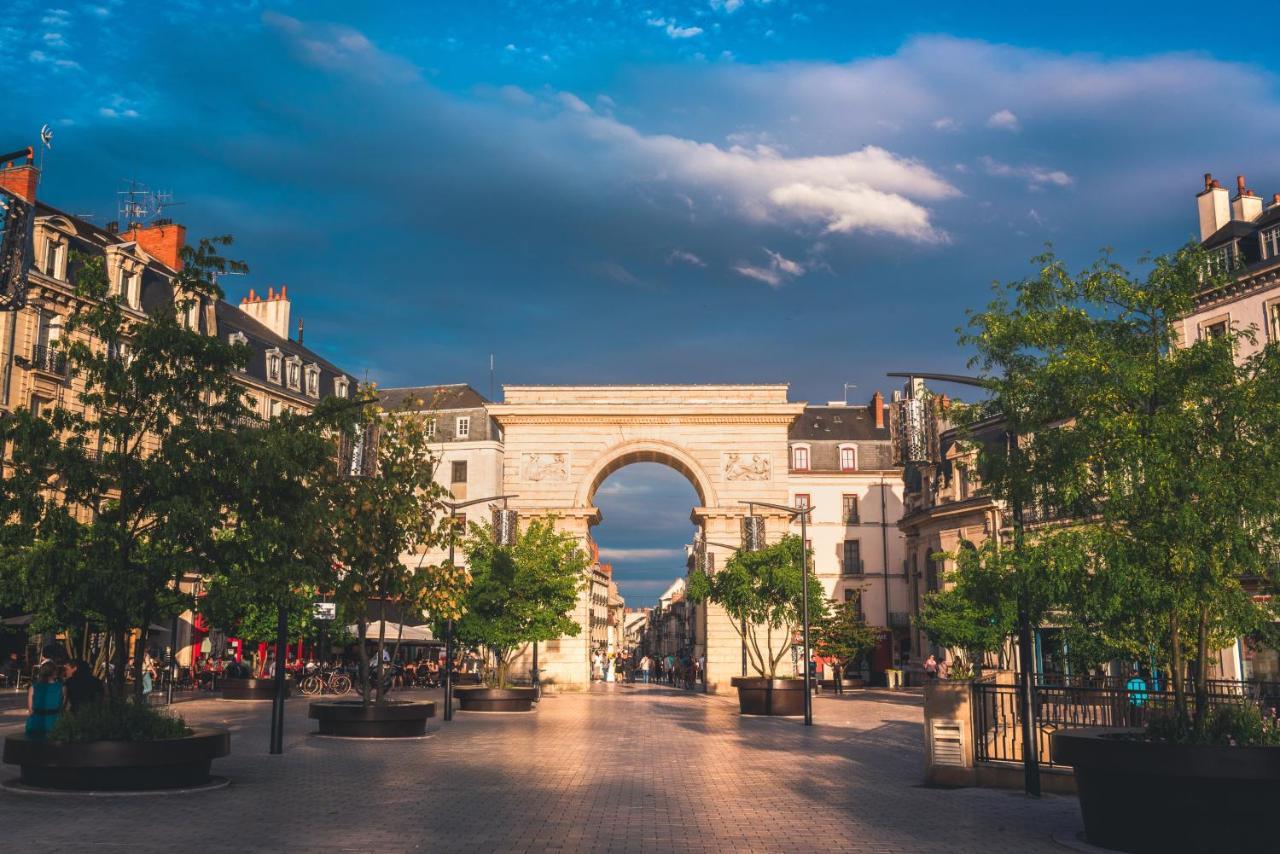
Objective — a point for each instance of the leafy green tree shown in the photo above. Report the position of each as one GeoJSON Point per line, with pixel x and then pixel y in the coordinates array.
{"type": "Point", "coordinates": [763, 591]}
{"type": "Point", "coordinates": [277, 546]}
{"type": "Point", "coordinates": [842, 634]}
{"type": "Point", "coordinates": [375, 520]}
{"type": "Point", "coordinates": [522, 593]}
{"type": "Point", "coordinates": [1162, 449]}
{"type": "Point", "coordinates": [127, 502]}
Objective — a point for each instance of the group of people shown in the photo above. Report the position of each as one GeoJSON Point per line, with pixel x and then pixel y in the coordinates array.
{"type": "Point", "coordinates": [58, 685]}
{"type": "Point", "coordinates": [679, 669]}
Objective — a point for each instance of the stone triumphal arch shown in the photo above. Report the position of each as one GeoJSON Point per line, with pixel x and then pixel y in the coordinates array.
{"type": "Point", "coordinates": [730, 441]}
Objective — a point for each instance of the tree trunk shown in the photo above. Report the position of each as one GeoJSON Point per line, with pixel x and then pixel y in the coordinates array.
{"type": "Point", "coordinates": [1202, 668]}
{"type": "Point", "coordinates": [1176, 666]}
{"type": "Point", "coordinates": [362, 632]}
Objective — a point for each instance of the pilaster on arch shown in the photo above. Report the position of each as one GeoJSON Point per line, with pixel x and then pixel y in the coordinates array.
{"type": "Point", "coordinates": [646, 451]}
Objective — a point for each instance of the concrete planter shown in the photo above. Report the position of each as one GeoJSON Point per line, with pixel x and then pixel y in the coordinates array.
{"type": "Point", "coordinates": [1148, 796]}
{"type": "Point", "coordinates": [118, 766]}
{"type": "Point", "coordinates": [760, 695]}
{"type": "Point", "coordinates": [352, 719]}
{"type": "Point", "coordinates": [251, 689]}
{"type": "Point", "coordinates": [495, 699]}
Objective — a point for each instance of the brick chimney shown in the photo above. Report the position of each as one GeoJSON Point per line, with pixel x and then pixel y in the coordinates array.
{"type": "Point", "coordinates": [877, 403]}
{"type": "Point", "coordinates": [21, 178]}
{"type": "Point", "coordinates": [1215, 207]}
{"type": "Point", "coordinates": [272, 311]}
{"type": "Point", "coordinates": [161, 240]}
{"type": "Point", "coordinates": [1246, 206]}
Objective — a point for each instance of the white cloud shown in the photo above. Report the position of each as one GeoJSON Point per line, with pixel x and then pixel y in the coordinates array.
{"type": "Point", "coordinates": [337, 48]}
{"type": "Point", "coordinates": [727, 6]}
{"type": "Point", "coordinates": [641, 554]}
{"type": "Point", "coordinates": [868, 190]}
{"type": "Point", "coordinates": [574, 103]}
{"type": "Point", "coordinates": [685, 257]}
{"type": "Point", "coordinates": [1037, 176]}
{"type": "Point", "coordinates": [673, 29]}
{"type": "Point", "coordinates": [946, 123]}
{"type": "Point", "coordinates": [777, 272]}
{"type": "Point", "coordinates": [1003, 120]}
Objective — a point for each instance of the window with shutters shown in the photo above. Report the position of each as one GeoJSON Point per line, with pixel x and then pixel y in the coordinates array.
{"type": "Point", "coordinates": [1273, 320]}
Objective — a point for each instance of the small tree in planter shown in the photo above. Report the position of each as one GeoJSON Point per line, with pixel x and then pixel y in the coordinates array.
{"type": "Point", "coordinates": [1159, 444]}
{"type": "Point", "coordinates": [383, 508]}
{"type": "Point", "coordinates": [521, 594]}
{"type": "Point", "coordinates": [844, 636]}
{"type": "Point", "coordinates": [762, 589]}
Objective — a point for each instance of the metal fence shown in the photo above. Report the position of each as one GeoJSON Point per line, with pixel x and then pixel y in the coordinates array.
{"type": "Point", "coordinates": [1100, 702]}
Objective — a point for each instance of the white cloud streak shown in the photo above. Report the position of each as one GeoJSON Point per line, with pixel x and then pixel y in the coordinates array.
{"type": "Point", "coordinates": [641, 554]}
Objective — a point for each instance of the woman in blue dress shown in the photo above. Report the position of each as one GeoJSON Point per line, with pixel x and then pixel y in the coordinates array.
{"type": "Point", "coordinates": [46, 698]}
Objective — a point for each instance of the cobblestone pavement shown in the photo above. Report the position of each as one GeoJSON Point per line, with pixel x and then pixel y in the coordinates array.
{"type": "Point", "coordinates": [620, 768]}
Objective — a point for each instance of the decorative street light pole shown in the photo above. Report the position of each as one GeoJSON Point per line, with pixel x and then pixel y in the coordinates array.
{"type": "Point", "coordinates": [1026, 655]}
{"type": "Point", "coordinates": [504, 530]}
{"type": "Point", "coordinates": [803, 514]}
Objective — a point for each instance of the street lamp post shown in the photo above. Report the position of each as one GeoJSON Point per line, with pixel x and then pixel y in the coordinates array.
{"type": "Point", "coordinates": [1026, 700]}
{"type": "Point", "coordinates": [803, 514]}
{"type": "Point", "coordinates": [454, 507]}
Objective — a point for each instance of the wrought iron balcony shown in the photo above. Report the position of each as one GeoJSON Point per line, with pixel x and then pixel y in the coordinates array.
{"type": "Point", "coordinates": [899, 620]}
{"type": "Point", "coordinates": [50, 360]}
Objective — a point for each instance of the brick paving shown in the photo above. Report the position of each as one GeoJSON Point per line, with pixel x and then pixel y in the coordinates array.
{"type": "Point", "coordinates": [620, 768]}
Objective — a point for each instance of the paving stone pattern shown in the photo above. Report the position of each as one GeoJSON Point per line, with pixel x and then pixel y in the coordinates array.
{"type": "Point", "coordinates": [620, 768]}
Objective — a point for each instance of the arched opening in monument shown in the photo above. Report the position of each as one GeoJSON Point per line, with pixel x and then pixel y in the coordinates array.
{"type": "Point", "coordinates": [642, 535]}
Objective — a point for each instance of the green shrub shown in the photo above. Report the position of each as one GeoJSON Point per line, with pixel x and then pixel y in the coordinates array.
{"type": "Point", "coordinates": [1233, 724]}
{"type": "Point", "coordinates": [118, 720]}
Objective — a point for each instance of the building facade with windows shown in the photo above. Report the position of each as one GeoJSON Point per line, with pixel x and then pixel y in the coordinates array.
{"type": "Point", "coordinates": [1241, 234]}
{"type": "Point", "coordinates": [842, 466]}
{"type": "Point", "coordinates": [142, 262]}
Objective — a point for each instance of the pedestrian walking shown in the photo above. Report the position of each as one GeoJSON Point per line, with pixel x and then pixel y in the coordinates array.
{"type": "Point", "coordinates": [837, 677]}
{"type": "Point", "coordinates": [931, 668]}
{"type": "Point", "coordinates": [645, 664]}
{"type": "Point", "coordinates": [46, 698]}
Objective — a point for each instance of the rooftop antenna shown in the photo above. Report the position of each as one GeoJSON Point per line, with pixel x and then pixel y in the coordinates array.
{"type": "Point", "coordinates": [848, 386]}
{"type": "Point", "coordinates": [139, 204]}
{"type": "Point", "coordinates": [491, 376]}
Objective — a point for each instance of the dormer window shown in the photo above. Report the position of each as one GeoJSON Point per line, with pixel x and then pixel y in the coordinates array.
{"type": "Point", "coordinates": [1271, 242]}
{"type": "Point", "coordinates": [431, 429]}
{"type": "Point", "coordinates": [800, 458]}
{"type": "Point", "coordinates": [462, 429]}
{"type": "Point", "coordinates": [293, 373]}
{"type": "Point", "coordinates": [238, 339]}
{"type": "Point", "coordinates": [313, 380]}
{"type": "Point", "coordinates": [1223, 259]}
{"type": "Point", "coordinates": [848, 458]}
{"type": "Point", "coordinates": [275, 362]}
{"type": "Point", "coordinates": [55, 259]}
{"type": "Point", "coordinates": [340, 386]}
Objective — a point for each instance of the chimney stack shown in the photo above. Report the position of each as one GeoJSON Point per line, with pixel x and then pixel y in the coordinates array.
{"type": "Point", "coordinates": [1215, 207]}
{"type": "Point", "coordinates": [161, 240]}
{"type": "Point", "coordinates": [272, 311]}
{"type": "Point", "coordinates": [21, 179]}
{"type": "Point", "coordinates": [877, 403]}
{"type": "Point", "coordinates": [1246, 206]}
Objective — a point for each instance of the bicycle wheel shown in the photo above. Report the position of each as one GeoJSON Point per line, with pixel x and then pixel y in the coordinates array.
{"type": "Point", "coordinates": [310, 686]}
{"type": "Point", "coordinates": [340, 684]}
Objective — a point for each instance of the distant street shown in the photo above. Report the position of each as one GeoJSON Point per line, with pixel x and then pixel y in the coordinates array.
{"type": "Point", "coordinates": [620, 768]}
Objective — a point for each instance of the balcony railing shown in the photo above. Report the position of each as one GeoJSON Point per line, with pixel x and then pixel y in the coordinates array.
{"type": "Point", "coordinates": [47, 359]}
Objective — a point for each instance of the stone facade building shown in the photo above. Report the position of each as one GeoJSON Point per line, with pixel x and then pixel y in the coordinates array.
{"type": "Point", "coordinates": [142, 262]}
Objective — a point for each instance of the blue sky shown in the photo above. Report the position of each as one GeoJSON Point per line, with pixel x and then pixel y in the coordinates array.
{"type": "Point", "coordinates": [664, 192]}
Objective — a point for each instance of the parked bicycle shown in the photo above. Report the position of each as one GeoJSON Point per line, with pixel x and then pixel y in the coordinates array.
{"type": "Point", "coordinates": [325, 682]}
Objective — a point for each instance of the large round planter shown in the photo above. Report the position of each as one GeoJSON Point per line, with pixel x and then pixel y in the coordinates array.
{"type": "Point", "coordinates": [759, 695]}
{"type": "Point", "coordinates": [352, 719]}
{"type": "Point", "coordinates": [118, 766]}
{"type": "Point", "coordinates": [250, 689]}
{"type": "Point", "coordinates": [1148, 796]}
{"type": "Point", "coordinates": [495, 699]}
